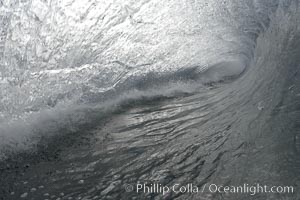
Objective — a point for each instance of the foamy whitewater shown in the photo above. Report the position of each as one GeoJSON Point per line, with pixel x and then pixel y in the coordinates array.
{"type": "Point", "coordinates": [99, 95]}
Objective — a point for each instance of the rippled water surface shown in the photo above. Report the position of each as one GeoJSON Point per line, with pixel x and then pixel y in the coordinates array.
{"type": "Point", "coordinates": [99, 95]}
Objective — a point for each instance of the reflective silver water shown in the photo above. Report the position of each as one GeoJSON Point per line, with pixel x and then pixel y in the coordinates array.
{"type": "Point", "coordinates": [169, 92]}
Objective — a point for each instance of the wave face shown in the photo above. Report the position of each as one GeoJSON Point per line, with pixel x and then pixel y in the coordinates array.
{"type": "Point", "coordinates": [120, 92]}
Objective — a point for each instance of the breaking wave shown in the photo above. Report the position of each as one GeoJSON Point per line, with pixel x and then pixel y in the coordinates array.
{"type": "Point", "coordinates": [229, 69]}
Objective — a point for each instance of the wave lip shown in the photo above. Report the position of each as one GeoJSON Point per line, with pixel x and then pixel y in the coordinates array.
{"type": "Point", "coordinates": [223, 70]}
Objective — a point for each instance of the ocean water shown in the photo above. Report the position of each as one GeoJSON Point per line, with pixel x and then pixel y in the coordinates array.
{"type": "Point", "coordinates": [99, 96]}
